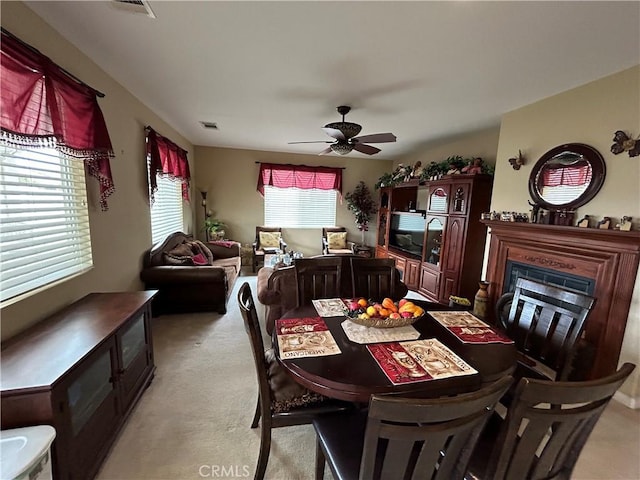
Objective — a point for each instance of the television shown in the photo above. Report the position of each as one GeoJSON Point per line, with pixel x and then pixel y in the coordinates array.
{"type": "Point", "coordinates": [406, 232]}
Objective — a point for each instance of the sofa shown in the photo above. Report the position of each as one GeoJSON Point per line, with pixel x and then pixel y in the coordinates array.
{"type": "Point", "coordinates": [190, 276]}
{"type": "Point", "coordinates": [276, 289]}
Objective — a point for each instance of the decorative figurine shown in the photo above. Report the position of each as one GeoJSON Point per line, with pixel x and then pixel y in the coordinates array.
{"type": "Point", "coordinates": [604, 224]}
{"type": "Point", "coordinates": [624, 225]}
{"type": "Point", "coordinates": [475, 167]}
{"type": "Point", "coordinates": [584, 223]}
{"type": "Point", "coordinates": [535, 212]}
{"type": "Point", "coordinates": [417, 170]}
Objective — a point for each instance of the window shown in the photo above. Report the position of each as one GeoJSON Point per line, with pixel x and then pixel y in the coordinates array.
{"type": "Point", "coordinates": [298, 208]}
{"type": "Point", "coordinates": [166, 210]}
{"type": "Point", "coordinates": [44, 220]}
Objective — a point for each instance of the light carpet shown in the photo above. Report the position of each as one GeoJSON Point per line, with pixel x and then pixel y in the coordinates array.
{"type": "Point", "coordinates": [193, 421]}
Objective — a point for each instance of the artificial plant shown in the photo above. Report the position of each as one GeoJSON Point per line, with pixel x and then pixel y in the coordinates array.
{"type": "Point", "coordinates": [361, 203]}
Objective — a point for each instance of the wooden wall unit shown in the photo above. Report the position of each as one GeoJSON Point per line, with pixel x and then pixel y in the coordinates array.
{"type": "Point", "coordinates": [454, 238]}
{"type": "Point", "coordinates": [81, 371]}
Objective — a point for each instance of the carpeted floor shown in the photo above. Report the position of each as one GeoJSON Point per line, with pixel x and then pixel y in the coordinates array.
{"type": "Point", "coordinates": [193, 421]}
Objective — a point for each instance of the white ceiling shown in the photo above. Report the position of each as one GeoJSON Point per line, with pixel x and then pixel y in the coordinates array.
{"type": "Point", "coordinates": [273, 72]}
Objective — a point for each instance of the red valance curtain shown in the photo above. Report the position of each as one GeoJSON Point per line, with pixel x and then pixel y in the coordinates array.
{"type": "Point", "coordinates": [299, 176]}
{"type": "Point", "coordinates": [42, 106]}
{"type": "Point", "coordinates": [166, 159]}
{"type": "Point", "coordinates": [573, 175]}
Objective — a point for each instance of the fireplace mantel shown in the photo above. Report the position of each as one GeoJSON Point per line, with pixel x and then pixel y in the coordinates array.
{"type": "Point", "coordinates": [609, 257]}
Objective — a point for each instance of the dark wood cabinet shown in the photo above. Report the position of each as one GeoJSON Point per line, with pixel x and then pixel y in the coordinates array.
{"type": "Point", "coordinates": [452, 249]}
{"type": "Point", "coordinates": [81, 371]}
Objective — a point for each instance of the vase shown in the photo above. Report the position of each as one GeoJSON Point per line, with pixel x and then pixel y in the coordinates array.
{"type": "Point", "coordinates": [481, 300]}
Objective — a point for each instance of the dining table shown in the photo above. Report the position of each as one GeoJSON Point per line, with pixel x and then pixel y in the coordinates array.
{"type": "Point", "coordinates": [354, 375]}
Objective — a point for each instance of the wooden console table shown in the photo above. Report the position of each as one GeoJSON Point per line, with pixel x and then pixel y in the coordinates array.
{"type": "Point", "coordinates": [81, 371]}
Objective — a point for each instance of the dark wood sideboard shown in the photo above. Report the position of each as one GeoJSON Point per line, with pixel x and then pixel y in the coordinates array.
{"type": "Point", "coordinates": [81, 371]}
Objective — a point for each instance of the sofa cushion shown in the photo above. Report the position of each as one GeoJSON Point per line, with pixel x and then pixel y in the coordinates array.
{"type": "Point", "coordinates": [337, 240]}
{"type": "Point", "coordinates": [287, 393]}
{"type": "Point", "coordinates": [270, 239]}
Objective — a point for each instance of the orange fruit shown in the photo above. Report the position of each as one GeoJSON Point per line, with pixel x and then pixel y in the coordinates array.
{"type": "Point", "coordinates": [363, 302]}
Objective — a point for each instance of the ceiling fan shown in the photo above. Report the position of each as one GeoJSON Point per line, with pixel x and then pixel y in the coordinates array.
{"type": "Point", "coordinates": [345, 139]}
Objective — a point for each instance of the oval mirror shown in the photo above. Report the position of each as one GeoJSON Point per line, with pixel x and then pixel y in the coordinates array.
{"type": "Point", "coordinates": [567, 176]}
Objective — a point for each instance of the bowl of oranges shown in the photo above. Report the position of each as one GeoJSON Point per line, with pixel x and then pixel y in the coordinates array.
{"type": "Point", "coordinates": [384, 314]}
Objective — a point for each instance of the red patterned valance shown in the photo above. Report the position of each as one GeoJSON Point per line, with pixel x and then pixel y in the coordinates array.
{"type": "Point", "coordinates": [166, 159]}
{"type": "Point", "coordinates": [43, 106]}
{"type": "Point", "coordinates": [299, 176]}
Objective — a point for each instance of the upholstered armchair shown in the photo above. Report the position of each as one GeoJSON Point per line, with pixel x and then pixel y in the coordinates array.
{"type": "Point", "coordinates": [268, 240]}
{"type": "Point", "coordinates": [334, 241]}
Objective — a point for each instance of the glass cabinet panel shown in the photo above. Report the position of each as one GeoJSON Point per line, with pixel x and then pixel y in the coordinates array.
{"type": "Point", "coordinates": [438, 200]}
{"type": "Point", "coordinates": [89, 390]}
{"type": "Point", "coordinates": [133, 341]}
{"type": "Point", "coordinates": [382, 229]}
{"type": "Point", "coordinates": [433, 241]}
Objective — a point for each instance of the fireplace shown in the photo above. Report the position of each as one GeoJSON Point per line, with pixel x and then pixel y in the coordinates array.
{"type": "Point", "coordinates": [602, 263]}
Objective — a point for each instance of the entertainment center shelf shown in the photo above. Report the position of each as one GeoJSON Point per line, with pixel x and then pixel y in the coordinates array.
{"type": "Point", "coordinates": [81, 371]}
{"type": "Point", "coordinates": [438, 246]}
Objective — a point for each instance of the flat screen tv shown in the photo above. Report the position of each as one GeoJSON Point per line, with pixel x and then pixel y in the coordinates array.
{"type": "Point", "coordinates": [406, 232]}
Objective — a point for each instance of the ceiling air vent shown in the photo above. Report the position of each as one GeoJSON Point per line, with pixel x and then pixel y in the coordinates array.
{"type": "Point", "coordinates": [135, 6]}
{"type": "Point", "coordinates": [210, 125]}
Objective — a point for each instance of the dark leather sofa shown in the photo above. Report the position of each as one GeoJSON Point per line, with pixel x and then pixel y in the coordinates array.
{"type": "Point", "coordinates": [188, 287]}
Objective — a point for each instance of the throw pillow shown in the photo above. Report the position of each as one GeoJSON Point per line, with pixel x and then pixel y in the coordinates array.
{"type": "Point", "coordinates": [337, 240]}
{"type": "Point", "coordinates": [269, 239]}
{"type": "Point", "coordinates": [287, 393]}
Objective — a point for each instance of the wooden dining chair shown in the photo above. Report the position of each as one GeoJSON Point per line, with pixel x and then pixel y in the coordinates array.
{"type": "Point", "coordinates": [281, 401]}
{"type": "Point", "coordinates": [373, 278]}
{"type": "Point", "coordinates": [546, 322]}
{"type": "Point", "coordinates": [318, 277]}
{"type": "Point", "coordinates": [546, 427]}
{"type": "Point", "coordinates": [403, 437]}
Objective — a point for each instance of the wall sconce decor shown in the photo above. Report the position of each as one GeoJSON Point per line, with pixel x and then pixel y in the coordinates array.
{"type": "Point", "coordinates": [517, 162]}
{"type": "Point", "coordinates": [622, 143]}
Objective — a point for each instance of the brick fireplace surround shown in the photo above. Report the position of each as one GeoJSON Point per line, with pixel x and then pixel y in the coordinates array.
{"type": "Point", "coordinates": [609, 257]}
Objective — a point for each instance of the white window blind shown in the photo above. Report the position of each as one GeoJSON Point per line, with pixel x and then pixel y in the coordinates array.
{"type": "Point", "coordinates": [298, 208]}
{"type": "Point", "coordinates": [44, 220]}
{"type": "Point", "coordinates": [166, 210]}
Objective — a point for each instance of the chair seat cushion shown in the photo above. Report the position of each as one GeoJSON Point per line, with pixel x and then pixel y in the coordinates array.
{"type": "Point", "coordinates": [287, 393]}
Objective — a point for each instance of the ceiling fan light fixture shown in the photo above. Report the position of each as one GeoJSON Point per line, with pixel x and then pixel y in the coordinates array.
{"type": "Point", "coordinates": [348, 129]}
{"type": "Point", "coordinates": [341, 148]}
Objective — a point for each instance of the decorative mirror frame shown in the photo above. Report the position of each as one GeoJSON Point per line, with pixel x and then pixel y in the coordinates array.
{"type": "Point", "coordinates": [598, 172]}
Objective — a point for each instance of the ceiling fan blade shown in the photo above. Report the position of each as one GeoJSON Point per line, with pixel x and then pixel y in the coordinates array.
{"type": "Point", "coordinates": [315, 141]}
{"type": "Point", "coordinates": [364, 148]}
{"type": "Point", "coordinates": [376, 138]}
{"type": "Point", "coordinates": [325, 151]}
{"type": "Point", "coordinates": [334, 133]}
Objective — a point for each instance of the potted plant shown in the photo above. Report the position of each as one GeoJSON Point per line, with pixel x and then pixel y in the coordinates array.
{"type": "Point", "coordinates": [361, 203]}
{"type": "Point", "coordinates": [214, 228]}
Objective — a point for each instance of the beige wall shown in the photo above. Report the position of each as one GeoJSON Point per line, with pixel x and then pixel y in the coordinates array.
{"type": "Point", "coordinates": [230, 177]}
{"type": "Point", "coordinates": [119, 236]}
{"type": "Point", "coordinates": [588, 114]}
{"type": "Point", "coordinates": [482, 144]}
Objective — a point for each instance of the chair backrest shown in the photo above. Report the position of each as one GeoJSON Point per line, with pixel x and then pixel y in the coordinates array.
{"type": "Point", "coordinates": [373, 278]}
{"type": "Point", "coordinates": [264, 229]}
{"type": "Point", "coordinates": [317, 277]}
{"type": "Point", "coordinates": [425, 438]}
{"type": "Point", "coordinates": [548, 424]}
{"type": "Point", "coordinates": [546, 322]}
{"type": "Point", "coordinates": [252, 327]}
{"type": "Point", "coordinates": [326, 230]}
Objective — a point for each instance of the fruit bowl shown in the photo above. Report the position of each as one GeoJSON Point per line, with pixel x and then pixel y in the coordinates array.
{"type": "Point", "coordinates": [385, 314]}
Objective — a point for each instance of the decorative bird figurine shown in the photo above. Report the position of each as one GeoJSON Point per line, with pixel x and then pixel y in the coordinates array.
{"type": "Point", "coordinates": [622, 143]}
{"type": "Point", "coordinates": [517, 162]}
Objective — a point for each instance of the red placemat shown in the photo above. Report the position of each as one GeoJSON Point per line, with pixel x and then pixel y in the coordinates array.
{"type": "Point", "coordinates": [469, 328]}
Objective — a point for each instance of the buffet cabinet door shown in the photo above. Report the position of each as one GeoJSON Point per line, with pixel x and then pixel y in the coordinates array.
{"type": "Point", "coordinates": [453, 255]}
{"type": "Point", "coordinates": [91, 411]}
